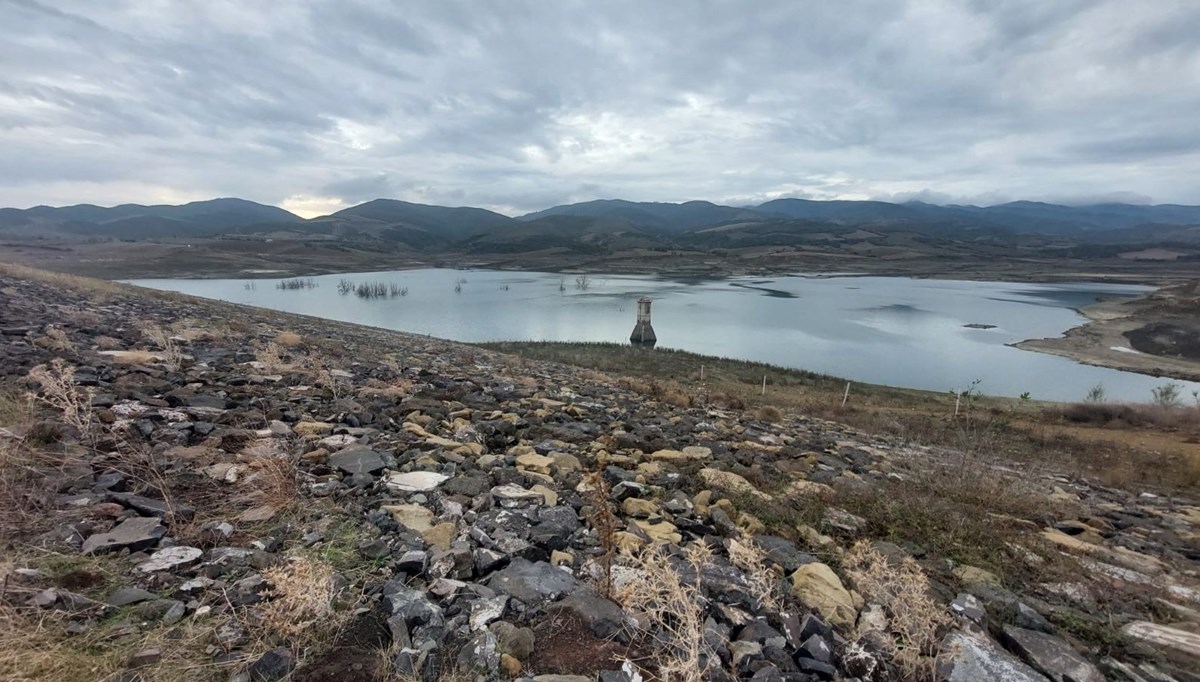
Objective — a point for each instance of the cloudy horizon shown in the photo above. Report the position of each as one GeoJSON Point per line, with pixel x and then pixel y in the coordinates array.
{"type": "Point", "coordinates": [516, 107]}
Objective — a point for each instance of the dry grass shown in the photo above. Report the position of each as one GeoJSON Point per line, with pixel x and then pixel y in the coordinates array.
{"type": "Point", "coordinates": [276, 476]}
{"type": "Point", "coordinates": [768, 413]}
{"type": "Point", "coordinates": [301, 612]}
{"type": "Point", "coordinates": [55, 339]}
{"type": "Point", "coordinates": [672, 608]}
{"type": "Point", "coordinates": [169, 352]}
{"type": "Point", "coordinates": [916, 620]}
{"type": "Point", "coordinates": [764, 583]}
{"type": "Point", "coordinates": [398, 388]}
{"type": "Point", "coordinates": [98, 288]}
{"type": "Point", "coordinates": [271, 358]}
{"type": "Point", "coordinates": [15, 409]}
{"type": "Point", "coordinates": [58, 390]}
{"type": "Point", "coordinates": [288, 339]}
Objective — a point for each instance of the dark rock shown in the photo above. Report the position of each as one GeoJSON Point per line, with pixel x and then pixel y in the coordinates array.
{"type": "Point", "coordinates": [532, 583]}
{"type": "Point", "coordinates": [124, 596]}
{"type": "Point", "coordinates": [357, 460]}
{"type": "Point", "coordinates": [1051, 656]}
{"type": "Point", "coordinates": [133, 534]}
{"type": "Point", "coordinates": [276, 664]}
{"type": "Point", "coordinates": [602, 616]}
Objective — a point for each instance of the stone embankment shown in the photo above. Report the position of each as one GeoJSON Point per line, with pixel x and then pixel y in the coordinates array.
{"type": "Point", "coordinates": [451, 511]}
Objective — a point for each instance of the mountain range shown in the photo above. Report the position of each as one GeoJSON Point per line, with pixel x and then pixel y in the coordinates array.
{"type": "Point", "coordinates": [612, 223]}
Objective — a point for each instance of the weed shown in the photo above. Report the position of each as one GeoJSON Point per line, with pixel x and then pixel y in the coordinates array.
{"type": "Point", "coordinates": [605, 522]}
{"type": "Point", "coordinates": [59, 391]}
{"type": "Point", "coordinates": [169, 351]}
{"type": "Point", "coordinates": [764, 583]}
{"type": "Point", "coordinates": [301, 609]}
{"type": "Point", "coordinates": [916, 619]}
{"type": "Point", "coordinates": [270, 358]}
{"type": "Point", "coordinates": [288, 339]}
{"type": "Point", "coordinates": [673, 607]}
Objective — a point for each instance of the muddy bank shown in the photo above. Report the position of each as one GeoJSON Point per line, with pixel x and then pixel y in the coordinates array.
{"type": "Point", "coordinates": [1105, 340]}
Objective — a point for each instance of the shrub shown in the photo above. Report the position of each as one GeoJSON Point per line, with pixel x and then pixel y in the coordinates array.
{"type": "Point", "coordinates": [1167, 395]}
{"type": "Point", "coordinates": [672, 608]}
{"type": "Point", "coordinates": [288, 339]}
{"type": "Point", "coordinates": [58, 390]}
{"type": "Point", "coordinates": [916, 620]}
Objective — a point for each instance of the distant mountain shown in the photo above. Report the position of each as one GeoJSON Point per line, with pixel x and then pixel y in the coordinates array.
{"type": "Point", "coordinates": [133, 221]}
{"type": "Point", "coordinates": [658, 217]}
{"type": "Point", "coordinates": [440, 221]}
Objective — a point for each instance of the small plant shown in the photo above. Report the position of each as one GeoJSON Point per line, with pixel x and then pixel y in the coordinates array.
{"type": "Point", "coordinates": [301, 608]}
{"type": "Point", "coordinates": [297, 283]}
{"type": "Point", "coordinates": [1025, 397]}
{"type": "Point", "coordinates": [169, 351]}
{"type": "Point", "coordinates": [673, 607]}
{"type": "Point", "coordinates": [902, 589]}
{"type": "Point", "coordinates": [270, 357]}
{"type": "Point", "coordinates": [583, 282]}
{"type": "Point", "coordinates": [1167, 395]}
{"type": "Point", "coordinates": [345, 286]}
{"type": "Point", "coordinates": [1095, 394]}
{"type": "Point", "coordinates": [288, 339]}
{"type": "Point", "coordinates": [749, 556]}
{"type": "Point", "coordinates": [59, 391]}
{"type": "Point", "coordinates": [605, 522]}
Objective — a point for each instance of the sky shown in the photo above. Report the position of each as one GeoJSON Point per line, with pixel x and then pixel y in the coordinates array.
{"type": "Point", "coordinates": [316, 105]}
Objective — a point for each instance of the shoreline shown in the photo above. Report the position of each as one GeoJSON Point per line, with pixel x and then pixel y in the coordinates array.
{"type": "Point", "coordinates": [1101, 342]}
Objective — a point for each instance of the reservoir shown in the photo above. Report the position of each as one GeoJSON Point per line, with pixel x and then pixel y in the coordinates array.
{"type": "Point", "coordinates": [884, 330]}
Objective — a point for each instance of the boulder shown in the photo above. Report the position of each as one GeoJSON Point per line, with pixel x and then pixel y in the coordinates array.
{"type": "Point", "coordinates": [1051, 655]}
{"type": "Point", "coordinates": [532, 582]}
{"type": "Point", "coordinates": [974, 657]}
{"type": "Point", "coordinates": [817, 586]}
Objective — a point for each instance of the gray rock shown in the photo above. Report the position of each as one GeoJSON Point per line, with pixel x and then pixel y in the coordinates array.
{"type": "Point", "coordinates": [532, 583]}
{"type": "Point", "coordinates": [603, 617]}
{"type": "Point", "coordinates": [124, 596]}
{"type": "Point", "coordinates": [512, 640]}
{"type": "Point", "coordinates": [357, 460]}
{"type": "Point", "coordinates": [414, 607]}
{"type": "Point", "coordinates": [1051, 655]}
{"type": "Point", "coordinates": [480, 653]}
{"type": "Point", "coordinates": [169, 558]}
{"type": "Point", "coordinates": [133, 534]}
{"type": "Point", "coordinates": [148, 506]}
{"type": "Point", "coordinates": [974, 657]}
{"type": "Point", "coordinates": [276, 664]}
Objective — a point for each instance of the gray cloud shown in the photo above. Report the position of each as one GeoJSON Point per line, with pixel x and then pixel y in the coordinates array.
{"type": "Point", "coordinates": [520, 105]}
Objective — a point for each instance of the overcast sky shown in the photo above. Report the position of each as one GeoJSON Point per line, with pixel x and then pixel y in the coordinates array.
{"type": "Point", "coordinates": [517, 106]}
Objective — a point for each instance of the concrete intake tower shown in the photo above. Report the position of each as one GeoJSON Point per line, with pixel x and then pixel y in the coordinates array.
{"type": "Point", "coordinates": [643, 333]}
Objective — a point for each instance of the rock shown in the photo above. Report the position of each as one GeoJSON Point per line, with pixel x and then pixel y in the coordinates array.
{"type": "Point", "coordinates": [411, 516]}
{"type": "Point", "coordinates": [819, 587]}
{"type": "Point", "coordinates": [276, 664]}
{"type": "Point", "coordinates": [124, 596]}
{"type": "Point", "coordinates": [145, 657]}
{"type": "Point", "coordinates": [511, 495]}
{"type": "Point", "coordinates": [692, 452]}
{"type": "Point", "coordinates": [133, 534]}
{"type": "Point", "coordinates": [441, 535]}
{"type": "Point", "coordinates": [1162, 636]}
{"type": "Point", "coordinates": [415, 481]}
{"type": "Point", "coordinates": [534, 462]}
{"type": "Point", "coordinates": [510, 666]}
{"type": "Point", "coordinates": [638, 508]}
{"type": "Point", "coordinates": [973, 657]}
{"type": "Point", "coordinates": [602, 616]}
{"type": "Point", "coordinates": [480, 653]}
{"type": "Point", "coordinates": [484, 611]}
{"type": "Point", "coordinates": [169, 558]}
{"type": "Point", "coordinates": [660, 532]}
{"type": "Point", "coordinates": [259, 514]}
{"type": "Point", "coordinates": [731, 482]}
{"type": "Point", "coordinates": [512, 640]}
{"type": "Point", "coordinates": [1051, 656]}
{"type": "Point", "coordinates": [532, 583]}
{"type": "Point", "coordinates": [357, 460]}
{"type": "Point", "coordinates": [971, 576]}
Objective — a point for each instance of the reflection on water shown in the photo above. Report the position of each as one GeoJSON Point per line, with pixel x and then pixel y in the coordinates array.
{"type": "Point", "coordinates": [897, 331]}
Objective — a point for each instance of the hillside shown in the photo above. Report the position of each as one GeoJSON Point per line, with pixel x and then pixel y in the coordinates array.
{"type": "Point", "coordinates": [207, 492]}
{"type": "Point", "coordinates": [133, 221]}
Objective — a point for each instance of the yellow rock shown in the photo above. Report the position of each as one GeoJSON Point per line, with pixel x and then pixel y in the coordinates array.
{"type": "Point", "coordinates": [412, 516]}
{"type": "Point", "coordinates": [535, 462]}
{"type": "Point", "coordinates": [727, 480]}
{"type": "Point", "coordinates": [549, 495]}
{"type": "Point", "coordinates": [802, 487]}
{"type": "Point", "coordinates": [751, 524]}
{"type": "Point", "coordinates": [312, 428]}
{"type": "Point", "coordinates": [817, 586]}
{"type": "Point", "coordinates": [628, 542]}
{"type": "Point", "coordinates": [661, 531]}
{"type": "Point", "coordinates": [701, 502]}
{"type": "Point", "coordinates": [813, 538]}
{"type": "Point", "coordinates": [974, 576]}
{"type": "Point", "coordinates": [441, 535]}
{"type": "Point", "coordinates": [633, 506]}
{"type": "Point", "coordinates": [558, 558]}
{"type": "Point", "coordinates": [509, 665]}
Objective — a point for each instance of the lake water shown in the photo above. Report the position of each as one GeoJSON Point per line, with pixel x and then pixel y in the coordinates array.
{"type": "Point", "coordinates": [885, 330]}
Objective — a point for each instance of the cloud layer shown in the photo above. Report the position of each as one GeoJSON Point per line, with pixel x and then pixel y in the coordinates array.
{"type": "Point", "coordinates": [517, 106]}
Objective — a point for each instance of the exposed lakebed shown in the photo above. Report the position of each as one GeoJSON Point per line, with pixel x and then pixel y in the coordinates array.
{"type": "Point", "coordinates": [885, 330]}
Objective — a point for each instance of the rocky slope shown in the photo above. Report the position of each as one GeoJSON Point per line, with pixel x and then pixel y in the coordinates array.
{"type": "Point", "coordinates": [250, 495]}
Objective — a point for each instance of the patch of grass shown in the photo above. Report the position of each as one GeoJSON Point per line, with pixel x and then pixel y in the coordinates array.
{"type": "Point", "coordinates": [288, 339]}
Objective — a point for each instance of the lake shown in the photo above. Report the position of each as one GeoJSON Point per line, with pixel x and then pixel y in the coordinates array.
{"type": "Point", "coordinates": [884, 330]}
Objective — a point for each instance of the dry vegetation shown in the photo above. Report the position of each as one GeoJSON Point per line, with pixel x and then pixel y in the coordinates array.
{"type": "Point", "coordinates": [1100, 441]}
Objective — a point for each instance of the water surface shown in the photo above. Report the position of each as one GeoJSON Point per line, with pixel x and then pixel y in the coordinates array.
{"type": "Point", "coordinates": [885, 330]}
